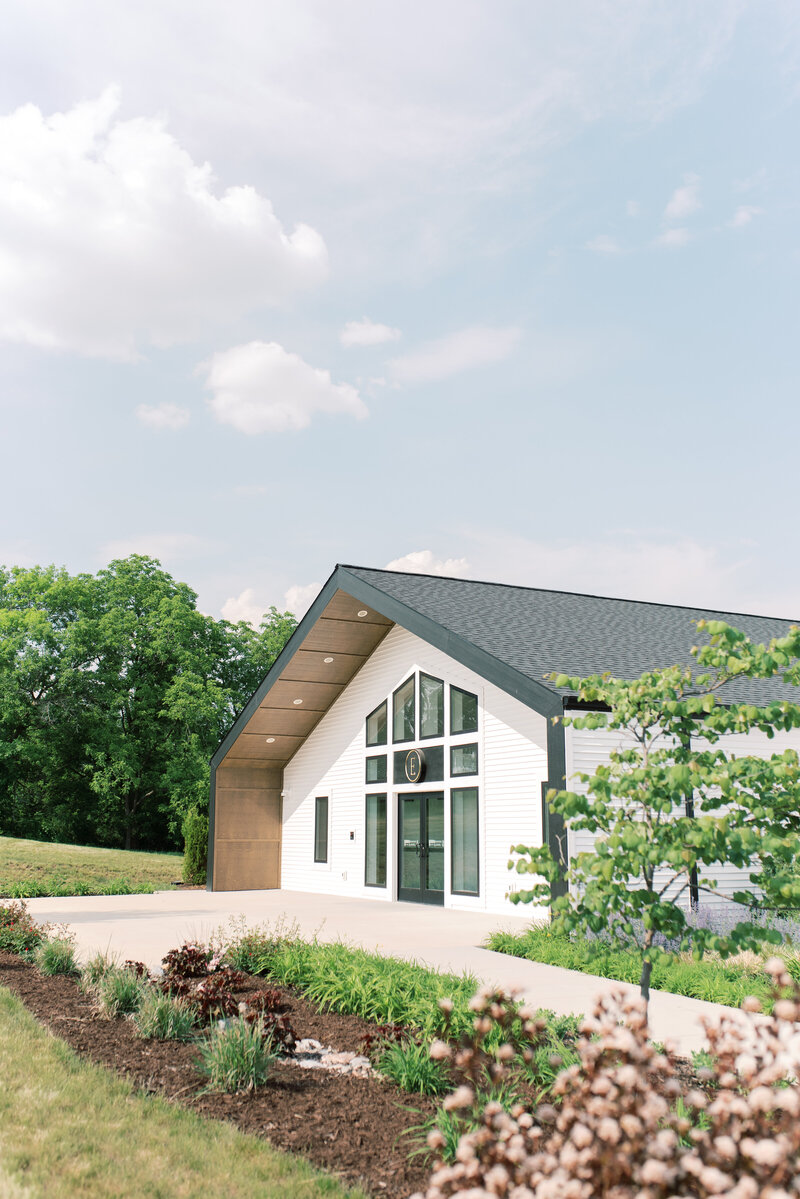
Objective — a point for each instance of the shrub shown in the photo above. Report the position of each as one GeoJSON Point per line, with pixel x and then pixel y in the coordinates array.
{"type": "Point", "coordinates": [238, 1057]}
{"type": "Point", "coordinates": [56, 957]}
{"type": "Point", "coordinates": [627, 1124]}
{"type": "Point", "coordinates": [210, 999]}
{"type": "Point", "coordinates": [267, 1002]}
{"type": "Point", "coordinates": [137, 968]}
{"type": "Point", "coordinates": [195, 847]}
{"type": "Point", "coordinates": [190, 961]}
{"type": "Point", "coordinates": [410, 1065]}
{"type": "Point", "coordinates": [18, 931]}
{"type": "Point", "coordinates": [162, 1018]}
{"type": "Point", "coordinates": [120, 992]}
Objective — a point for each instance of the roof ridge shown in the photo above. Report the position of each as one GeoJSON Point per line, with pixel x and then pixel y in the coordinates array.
{"type": "Point", "coordinates": [616, 599]}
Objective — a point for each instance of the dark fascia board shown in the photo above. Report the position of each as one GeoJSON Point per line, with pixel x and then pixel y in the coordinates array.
{"type": "Point", "coordinates": [294, 643]}
{"type": "Point", "coordinates": [529, 692]}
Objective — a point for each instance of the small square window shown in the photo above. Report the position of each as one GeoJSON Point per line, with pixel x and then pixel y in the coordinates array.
{"type": "Point", "coordinates": [376, 769]}
{"type": "Point", "coordinates": [463, 759]}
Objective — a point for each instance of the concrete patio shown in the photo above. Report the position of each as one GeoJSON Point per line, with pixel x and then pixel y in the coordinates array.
{"type": "Point", "coordinates": [144, 927]}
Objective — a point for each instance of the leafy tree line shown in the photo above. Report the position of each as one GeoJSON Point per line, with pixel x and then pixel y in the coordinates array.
{"type": "Point", "coordinates": [114, 693]}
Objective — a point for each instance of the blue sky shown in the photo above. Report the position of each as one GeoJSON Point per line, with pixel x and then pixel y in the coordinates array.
{"type": "Point", "coordinates": [504, 290]}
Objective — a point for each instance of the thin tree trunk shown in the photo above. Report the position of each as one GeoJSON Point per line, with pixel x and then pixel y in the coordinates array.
{"type": "Point", "coordinates": [644, 981]}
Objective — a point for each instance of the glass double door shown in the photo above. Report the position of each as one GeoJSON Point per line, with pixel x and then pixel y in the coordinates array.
{"type": "Point", "coordinates": [421, 847]}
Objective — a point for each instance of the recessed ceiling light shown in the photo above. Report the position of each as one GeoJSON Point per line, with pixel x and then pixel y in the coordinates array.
{"type": "Point", "coordinates": [363, 612]}
{"type": "Point", "coordinates": [270, 740]}
{"type": "Point", "coordinates": [297, 701]}
{"type": "Point", "coordinates": [326, 660]}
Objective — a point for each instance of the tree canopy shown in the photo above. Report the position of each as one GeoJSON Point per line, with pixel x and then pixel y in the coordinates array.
{"type": "Point", "coordinates": [676, 801]}
{"type": "Point", "coordinates": [114, 692]}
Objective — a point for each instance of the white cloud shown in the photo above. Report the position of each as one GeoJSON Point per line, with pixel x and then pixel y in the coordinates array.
{"type": "Point", "coordinates": [673, 238]}
{"type": "Point", "coordinates": [163, 416]}
{"type": "Point", "coordinates": [632, 208]}
{"type": "Point", "coordinates": [367, 333]}
{"type": "Point", "coordinates": [744, 215]}
{"type": "Point", "coordinates": [243, 607]}
{"type": "Point", "coordinates": [631, 565]}
{"type": "Point", "coordinates": [685, 200]}
{"type": "Point", "coordinates": [299, 598]}
{"type": "Point", "coordinates": [262, 388]}
{"type": "Point", "coordinates": [423, 562]}
{"type": "Point", "coordinates": [603, 244]}
{"type": "Point", "coordinates": [113, 238]}
{"type": "Point", "coordinates": [469, 348]}
{"type": "Point", "coordinates": [164, 546]}
{"type": "Point", "coordinates": [250, 490]}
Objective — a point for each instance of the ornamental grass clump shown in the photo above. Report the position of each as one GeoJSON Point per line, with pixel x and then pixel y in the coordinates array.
{"type": "Point", "coordinates": [56, 957]}
{"type": "Point", "coordinates": [120, 992]}
{"type": "Point", "coordinates": [237, 1057]}
{"type": "Point", "coordinates": [624, 1124]}
{"type": "Point", "coordinates": [162, 1018]}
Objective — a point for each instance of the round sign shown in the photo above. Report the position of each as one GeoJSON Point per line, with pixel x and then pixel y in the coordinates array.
{"type": "Point", "coordinates": [415, 765]}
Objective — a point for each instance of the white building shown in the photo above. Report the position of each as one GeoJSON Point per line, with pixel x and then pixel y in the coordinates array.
{"type": "Point", "coordinates": [403, 740]}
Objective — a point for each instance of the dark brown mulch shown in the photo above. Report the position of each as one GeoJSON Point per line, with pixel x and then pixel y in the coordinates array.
{"type": "Point", "coordinates": [356, 1128]}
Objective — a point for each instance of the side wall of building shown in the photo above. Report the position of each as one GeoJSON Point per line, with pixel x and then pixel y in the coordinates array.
{"type": "Point", "coordinates": [512, 765]}
{"type": "Point", "coordinates": [587, 749]}
{"type": "Point", "coordinates": [247, 827]}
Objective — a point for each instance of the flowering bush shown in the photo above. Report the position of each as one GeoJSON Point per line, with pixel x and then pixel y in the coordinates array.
{"type": "Point", "coordinates": [18, 931]}
{"type": "Point", "coordinates": [190, 961]}
{"type": "Point", "coordinates": [624, 1125]}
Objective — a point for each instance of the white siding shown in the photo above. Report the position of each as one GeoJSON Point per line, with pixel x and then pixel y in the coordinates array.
{"type": "Point", "coordinates": [586, 749]}
{"type": "Point", "coordinates": [512, 759]}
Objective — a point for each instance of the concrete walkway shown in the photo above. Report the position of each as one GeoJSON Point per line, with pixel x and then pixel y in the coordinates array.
{"type": "Point", "coordinates": [145, 927]}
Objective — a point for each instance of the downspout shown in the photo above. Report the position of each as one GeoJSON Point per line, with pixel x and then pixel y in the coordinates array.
{"type": "Point", "coordinates": [554, 828]}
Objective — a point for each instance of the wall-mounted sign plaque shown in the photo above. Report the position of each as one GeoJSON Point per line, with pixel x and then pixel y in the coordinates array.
{"type": "Point", "coordinates": [415, 765]}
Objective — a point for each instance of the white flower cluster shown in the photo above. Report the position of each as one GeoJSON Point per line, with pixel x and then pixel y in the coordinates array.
{"type": "Point", "coordinates": [626, 1124]}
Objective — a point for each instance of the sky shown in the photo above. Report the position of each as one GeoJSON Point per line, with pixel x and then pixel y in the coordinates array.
{"type": "Point", "coordinates": [499, 289]}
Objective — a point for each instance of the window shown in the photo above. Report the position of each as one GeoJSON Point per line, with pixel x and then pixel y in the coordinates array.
{"type": "Point", "coordinates": [403, 712]}
{"type": "Point", "coordinates": [376, 769]}
{"type": "Point", "coordinates": [375, 842]}
{"type": "Point", "coordinates": [431, 707]}
{"type": "Point", "coordinates": [376, 726]}
{"type": "Point", "coordinates": [464, 836]}
{"type": "Point", "coordinates": [463, 711]}
{"type": "Point", "coordinates": [463, 759]}
{"type": "Point", "coordinates": [321, 828]}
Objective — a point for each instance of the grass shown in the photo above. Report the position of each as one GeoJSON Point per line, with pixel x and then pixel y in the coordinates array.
{"type": "Point", "coordinates": [66, 1119]}
{"type": "Point", "coordinates": [726, 982]}
{"type": "Point", "coordinates": [410, 1066]}
{"type": "Point", "coordinates": [120, 993]}
{"type": "Point", "coordinates": [237, 1057]}
{"type": "Point", "coordinates": [162, 1018]}
{"type": "Point", "coordinates": [30, 869]}
{"type": "Point", "coordinates": [56, 957]}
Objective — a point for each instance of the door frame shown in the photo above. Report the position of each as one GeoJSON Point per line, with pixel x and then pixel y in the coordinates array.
{"type": "Point", "coordinates": [412, 894]}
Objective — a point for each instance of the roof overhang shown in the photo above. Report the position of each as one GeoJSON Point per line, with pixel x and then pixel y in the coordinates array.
{"type": "Point", "coordinates": [341, 630]}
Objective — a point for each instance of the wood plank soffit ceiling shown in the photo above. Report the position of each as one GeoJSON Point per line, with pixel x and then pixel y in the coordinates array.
{"type": "Point", "coordinates": [333, 651]}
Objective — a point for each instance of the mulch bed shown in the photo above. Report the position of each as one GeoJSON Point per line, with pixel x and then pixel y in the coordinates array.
{"type": "Point", "coordinates": [356, 1128]}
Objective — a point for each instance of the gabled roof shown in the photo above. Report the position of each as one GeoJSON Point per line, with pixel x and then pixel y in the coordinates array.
{"type": "Point", "coordinates": [511, 636]}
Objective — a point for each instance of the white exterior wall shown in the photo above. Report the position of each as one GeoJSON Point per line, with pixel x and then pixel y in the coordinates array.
{"type": "Point", "coordinates": [586, 749]}
{"type": "Point", "coordinates": [512, 760]}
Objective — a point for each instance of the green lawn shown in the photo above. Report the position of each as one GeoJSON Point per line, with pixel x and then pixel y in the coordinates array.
{"type": "Point", "coordinates": [727, 982]}
{"type": "Point", "coordinates": [33, 868]}
{"type": "Point", "coordinates": [68, 1120]}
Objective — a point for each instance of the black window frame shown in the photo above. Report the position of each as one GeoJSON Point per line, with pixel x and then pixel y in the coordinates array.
{"type": "Point", "coordinates": [405, 740]}
{"type": "Point", "coordinates": [464, 774]}
{"type": "Point", "coordinates": [318, 800]}
{"type": "Point", "coordinates": [423, 674]}
{"type": "Point", "coordinates": [384, 704]}
{"type": "Point", "coordinates": [376, 758]}
{"type": "Point", "coordinates": [453, 889]}
{"type": "Point", "coordinates": [466, 731]}
{"type": "Point", "coordinates": [384, 796]}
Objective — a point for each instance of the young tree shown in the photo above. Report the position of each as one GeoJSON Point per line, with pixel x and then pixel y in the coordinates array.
{"type": "Point", "coordinates": [672, 803]}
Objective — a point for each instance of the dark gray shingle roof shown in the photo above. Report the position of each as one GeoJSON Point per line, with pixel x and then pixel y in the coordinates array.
{"type": "Point", "coordinates": [537, 631]}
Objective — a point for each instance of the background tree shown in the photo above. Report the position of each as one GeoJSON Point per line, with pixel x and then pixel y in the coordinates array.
{"type": "Point", "coordinates": [648, 853]}
{"type": "Point", "coordinates": [114, 693]}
